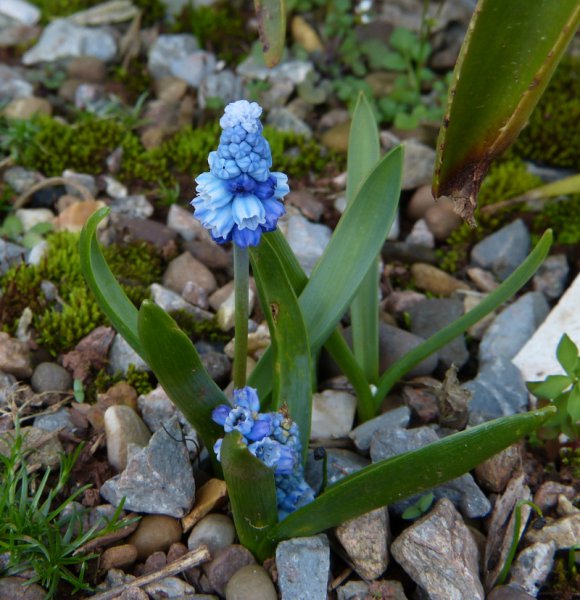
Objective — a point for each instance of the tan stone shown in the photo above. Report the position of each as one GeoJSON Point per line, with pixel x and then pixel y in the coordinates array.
{"type": "Point", "coordinates": [336, 138]}
{"type": "Point", "coordinates": [155, 532]}
{"type": "Point", "coordinates": [14, 356]}
{"type": "Point", "coordinates": [74, 217]}
{"type": "Point", "coordinates": [25, 108]}
{"type": "Point", "coordinates": [118, 557]}
{"type": "Point", "coordinates": [436, 281]}
{"type": "Point", "coordinates": [305, 35]}
{"type": "Point", "coordinates": [209, 496]}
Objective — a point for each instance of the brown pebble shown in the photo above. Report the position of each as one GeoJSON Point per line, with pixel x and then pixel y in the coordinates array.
{"type": "Point", "coordinates": [441, 219]}
{"type": "Point", "coordinates": [87, 68]}
{"type": "Point", "coordinates": [494, 473]}
{"type": "Point", "coordinates": [227, 562]}
{"type": "Point", "coordinates": [118, 557]}
{"type": "Point", "coordinates": [421, 201]}
{"type": "Point", "coordinates": [155, 562]}
{"type": "Point", "coordinates": [176, 551]}
{"type": "Point", "coordinates": [155, 532]}
{"type": "Point", "coordinates": [547, 495]}
{"type": "Point", "coordinates": [434, 280]}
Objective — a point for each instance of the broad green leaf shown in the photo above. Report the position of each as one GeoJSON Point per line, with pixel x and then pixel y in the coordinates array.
{"type": "Point", "coordinates": [364, 152]}
{"type": "Point", "coordinates": [177, 366]}
{"type": "Point", "coordinates": [405, 475]}
{"type": "Point", "coordinates": [107, 291]}
{"type": "Point", "coordinates": [394, 62]}
{"type": "Point", "coordinates": [574, 404]}
{"type": "Point", "coordinates": [508, 56]}
{"type": "Point", "coordinates": [251, 491]}
{"type": "Point", "coordinates": [551, 388]}
{"type": "Point", "coordinates": [271, 16]}
{"type": "Point", "coordinates": [292, 365]}
{"type": "Point", "coordinates": [495, 299]}
{"type": "Point", "coordinates": [352, 249]}
{"type": "Point", "coordinates": [567, 354]}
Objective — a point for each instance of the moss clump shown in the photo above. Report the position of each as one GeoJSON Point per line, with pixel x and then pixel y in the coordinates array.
{"type": "Point", "coordinates": [506, 179]}
{"type": "Point", "coordinates": [551, 136]}
{"type": "Point", "coordinates": [562, 217]}
{"type": "Point", "coordinates": [61, 322]}
{"type": "Point", "coordinates": [140, 381]}
{"type": "Point", "coordinates": [198, 331]}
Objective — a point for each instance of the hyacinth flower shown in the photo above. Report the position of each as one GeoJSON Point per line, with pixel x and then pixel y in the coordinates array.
{"type": "Point", "coordinates": [273, 438]}
{"type": "Point", "coordinates": [238, 200]}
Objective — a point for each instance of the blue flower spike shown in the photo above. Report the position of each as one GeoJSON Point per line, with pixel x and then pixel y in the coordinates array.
{"type": "Point", "coordinates": [273, 438]}
{"type": "Point", "coordinates": [239, 198]}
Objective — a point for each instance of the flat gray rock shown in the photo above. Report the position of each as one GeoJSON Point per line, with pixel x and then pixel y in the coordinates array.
{"type": "Point", "coordinates": [532, 567]}
{"type": "Point", "coordinates": [168, 49]}
{"type": "Point", "coordinates": [497, 391]}
{"type": "Point", "coordinates": [440, 555]}
{"type": "Point", "coordinates": [303, 566]}
{"type": "Point", "coordinates": [158, 479]}
{"type": "Point", "coordinates": [513, 327]}
{"type": "Point", "coordinates": [503, 251]}
{"type": "Point", "coordinates": [363, 434]}
{"type": "Point", "coordinates": [462, 491]}
{"type": "Point", "coordinates": [340, 463]}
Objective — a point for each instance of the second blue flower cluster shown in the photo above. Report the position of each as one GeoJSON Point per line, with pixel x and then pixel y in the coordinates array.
{"type": "Point", "coordinates": [239, 198]}
{"type": "Point", "coordinates": [273, 438]}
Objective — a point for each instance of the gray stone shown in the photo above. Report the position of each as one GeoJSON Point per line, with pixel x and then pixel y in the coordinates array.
{"type": "Point", "coordinates": [195, 295]}
{"type": "Point", "coordinates": [537, 358]}
{"type": "Point", "coordinates": [132, 207]}
{"type": "Point", "coordinates": [432, 315]}
{"type": "Point", "coordinates": [508, 592]}
{"type": "Point", "coordinates": [564, 532]}
{"type": "Point", "coordinates": [340, 463]}
{"type": "Point", "coordinates": [497, 391]}
{"type": "Point", "coordinates": [440, 555]}
{"type": "Point", "coordinates": [29, 217]}
{"type": "Point", "coordinates": [394, 343]}
{"type": "Point", "coordinates": [50, 377]}
{"type": "Point", "coordinates": [13, 84]}
{"type": "Point", "coordinates": [251, 581]}
{"type": "Point", "coordinates": [39, 447]}
{"type": "Point", "coordinates": [158, 479]}
{"type": "Point", "coordinates": [169, 588]}
{"type": "Point", "coordinates": [532, 567]}
{"type": "Point", "coordinates": [294, 70]}
{"type": "Point", "coordinates": [303, 568]}
{"type": "Point", "coordinates": [363, 434]}
{"type": "Point", "coordinates": [122, 355]}
{"type": "Point", "coordinates": [462, 491]}
{"type": "Point", "coordinates": [223, 84]}
{"type": "Point", "coordinates": [503, 251]}
{"type": "Point", "coordinates": [21, 11]}
{"type": "Point", "coordinates": [218, 366]}
{"type": "Point", "coordinates": [87, 181]}
{"type": "Point", "coordinates": [332, 414]}
{"type": "Point", "coordinates": [62, 39]}
{"type": "Point", "coordinates": [170, 301]}
{"type": "Point", "coordinates": [20, 588]}
{"type": "Point", "coordinates": [550, 278]}
{"type": "Point", "coordinates": [365, 540]}
{"type": "Point", "coordinates": [225, 563]}
{"type": "Point", "coordinates": [19, 178]}
{"type": "Point", "coordinates": [284, 119]}
{"type": "Point", "coordinates": [194, 67]}
{"type": "Point", "coordinates": [123, 427]}
{"type": "Point", "coordinates": [421, 235]}
{"type": "Point", "coordinates": [55, 421]}
{"type": "Point", "coordinates": [167, 49]}
{"type": "Point", "coordinates": [418, 165]}
{"type": "Point", "coordinates": [14, 356]}
{"type": "Point", "coordinates": [513, 327]}
{"type": "Point", "coordinates": [353, 590]}
{"type": "Point", "coordinates": [10, 255]}
{"type": "Point", "coordinates": [361, 590]}
{"type": "Point", "coordinates": [182, 220]}
{"type": "Point", "coordinates": [307, 240]}
{"type": "Point", "coordinates": [226, 313]}
{"type": "Point", "coordinates": [215, 531]}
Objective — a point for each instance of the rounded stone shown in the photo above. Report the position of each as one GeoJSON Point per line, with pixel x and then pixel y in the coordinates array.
{"type": "Point", "coordinates": [87, 68]}
{"type": "Point", "coordinates": [119, 557]}
{"type": "Point", "coordinates": [185, 268]}
{"type": "Point", "coordinates": [441, 219]}
{"type": "Point", "coordinates": [224, 564]}
{"type": "Point", "coordinates": [215, 531]}
{"type": "Point", "coordinates": [26, 108]}
{"type": "Point", "coordinates": [421, 201]}
{"type": "Point", "coordinates": [251, 581]}
{"type": "Point", "coordinates": [123, 426]}
{"type": "Point", "coordinates": [18, 588]}
{"type": "Point", "coordinates": [155, 533]}
{"type": "Point", "coordinates": [50, 377]}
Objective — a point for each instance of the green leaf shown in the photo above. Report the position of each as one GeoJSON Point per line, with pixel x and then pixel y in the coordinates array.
{"type": "Point", "coordinates": [567, 355]}
{"type": "Point", "coordinates": [394, 62]}
{"type": "Point", "coordinates": [493, 300]}
{"type": "Point", "coordinates": [405, 121]}
{"type": "Point", "coordinates": [363, 154]}
{"type": "Point", "coordinates": [11, 227]}
{"type": "Point", "coordinates": [574, 404]}
{"type": "Point", "coordinates": [251, 491]}
{"type": "Point", "coordinates": [508, 56]}
{"type": "Point", "coordinates": [177, 366]}
{"type": "Point", "coordinates": [108, 293]}
{"type": "Point", "coordinates": [403, 39]}
{"type": "Point", "coordinates": [292, 364]}
{"type": "Point", "coordinates": [271, 16]}
{"type": "Point", "coordinates": [405, 475]}
{"type": "Point", "coordinates": [551, 387]}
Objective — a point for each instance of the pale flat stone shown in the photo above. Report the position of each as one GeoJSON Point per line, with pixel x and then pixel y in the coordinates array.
{"type": "Point", "coordinates": [332, 414]}
{"type": "Point", "coordinates": [537, 358]}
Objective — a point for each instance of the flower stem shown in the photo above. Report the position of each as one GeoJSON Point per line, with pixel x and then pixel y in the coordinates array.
{"type": "Point", "coordinates": [242, 283]}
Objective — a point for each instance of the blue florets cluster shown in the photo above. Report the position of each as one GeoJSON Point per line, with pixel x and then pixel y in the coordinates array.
{"type": "Point", "coordinates": [273, 438]}
{"type": "Point", "coordinates": [240, 198]}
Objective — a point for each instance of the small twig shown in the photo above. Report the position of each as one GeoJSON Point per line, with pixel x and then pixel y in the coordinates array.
{"type": "Point", "coordinates": [192, 559]}
{"type": "Point", "coordinates": [23, 198]}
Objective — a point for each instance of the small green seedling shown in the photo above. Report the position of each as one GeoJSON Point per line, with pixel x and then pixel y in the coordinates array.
{"type": "Point", "coordinates": [419, 508]}
{"type": "Point", "coordinates": [563, 391]}
{"type": "Point", "coordinates": [79, 391]}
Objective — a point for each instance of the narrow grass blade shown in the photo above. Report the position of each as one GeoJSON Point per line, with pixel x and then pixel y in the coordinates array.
{"type": "Point", "coordinates": [177, 366]}
{"type": "Point", "coordinates": [290, 347]}
{"type": "Point", "coordinates": [109, 294]}
{"type": "Point", "coordinates": [495, 299]}
{"type": "Point", "coordinates": [251, 491]}
{"type": "Point", "coordinates": [363, 154]}
{"type": "Point", "coordinates": [405, 475]}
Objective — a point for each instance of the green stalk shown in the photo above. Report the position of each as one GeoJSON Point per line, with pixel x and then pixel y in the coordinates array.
{"type": "Point", "coordinates": [241, 287]}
